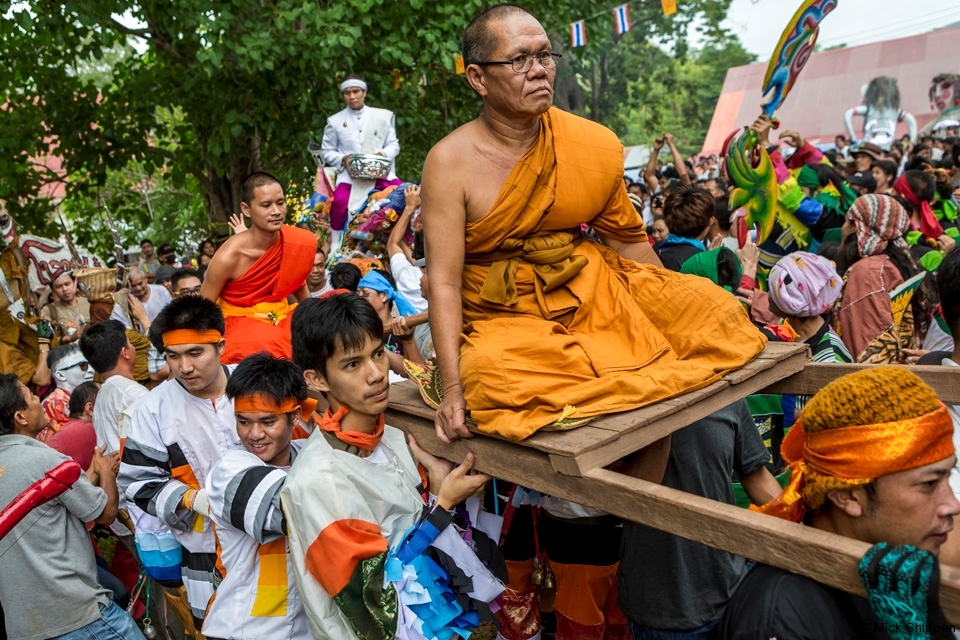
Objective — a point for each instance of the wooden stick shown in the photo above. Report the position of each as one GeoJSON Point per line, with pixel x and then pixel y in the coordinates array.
{"type": "Point", "coordinates": [815, 376]}
{"type": "Point", "coordinates": [415, 320]}
{"type": "Point", "coordinates": [826, 557]}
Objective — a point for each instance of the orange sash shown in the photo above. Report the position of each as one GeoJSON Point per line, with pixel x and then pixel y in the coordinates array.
{"type": "Point", "coordinates": [330, 422]}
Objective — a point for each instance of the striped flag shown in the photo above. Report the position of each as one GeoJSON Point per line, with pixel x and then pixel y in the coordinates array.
{"type": "Point", "coordinates": [578, 33]}
{"type": "Point", "coordinates": [621, 18]}
{"type": "Point", "coordinates": [669, 7]}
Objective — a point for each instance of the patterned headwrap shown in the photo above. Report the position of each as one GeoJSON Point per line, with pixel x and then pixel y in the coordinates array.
{"type": "Point", "coordinates": [804, 284]}
{"type": "Point", "coordinates": [857, 429]}
{"type": "Point", "coordinates": [880, 220]}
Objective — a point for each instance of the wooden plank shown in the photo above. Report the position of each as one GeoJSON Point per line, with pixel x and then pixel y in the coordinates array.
{"type": "Point", "coordinates": [773, 353]}
{"type": "Point", "coordinates": [815, 376]}
{"type": "Point", "coordinates": [828, 558]}
{"type": "Point", "coordinates": [405, 397]}
{"type": "Point", "coordinates": [653, 431]}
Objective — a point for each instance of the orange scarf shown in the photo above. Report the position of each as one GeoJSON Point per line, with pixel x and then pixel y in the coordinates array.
{"type": "Point", "coordinates": [824, 460]}
{"type": "Point", "coordinates": [330, 422]}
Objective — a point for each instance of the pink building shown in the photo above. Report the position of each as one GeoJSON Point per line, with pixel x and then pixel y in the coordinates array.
{"type": "Point", "coordinates": [831, 83]}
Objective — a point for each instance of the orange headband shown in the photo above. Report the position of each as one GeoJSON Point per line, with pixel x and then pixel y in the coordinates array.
{"type": "Point", "coordinates": [191, 336]}
{"type": "Point", "coordinates": [858, 455]}
{"type": "Point", "coordinates": [876, 450]}
{"type": "Point", "coordinates": [260, 403]}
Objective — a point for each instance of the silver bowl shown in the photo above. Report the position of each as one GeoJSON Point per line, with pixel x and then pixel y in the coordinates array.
{"type": "Point", "coordinates": [368, 167]}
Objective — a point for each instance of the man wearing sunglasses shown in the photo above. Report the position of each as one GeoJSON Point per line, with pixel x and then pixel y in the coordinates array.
{"type": "Point", "coordinates": [69, 369]}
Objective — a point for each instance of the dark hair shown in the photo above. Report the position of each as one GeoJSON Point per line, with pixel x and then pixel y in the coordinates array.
{"type": "Point", "coordinates": [253, 181]}
{"type": "Point", "coordinates": [101, 344]}
{"type": "Point", "coordinates": [479, 42]}
{"type": "Point", "coordinates": [145, 241]}
{"type": "Point", "coordinates": [917, 163]}
{"type": "Point", "coordinates": [948, 285]}
{"type": "Point", "coordinates": [345, 276]}
{"type": "Point", "coordinates": [728, 269]}
{"type": "Point", "coordinates": [276, 378]}
{"type": "Point", "coordinates": [354, 76]}
{"type": "Point", "coordinates": [923, 185]}
{"type": "Point", "coordinates": [320, 250]}
{"type": "Point", "coordinates": [321, 326]}
{"type": "Point", "coordinates": [57, 354]}
{"type": "Point", "coordinates": [181, 274]}
{"type": "Point", "coordinates": [721, 211]}
{"type": "Point", "coordinates": [11, 401]}
{"type": "Point", "coordinates": [955, 151]}
{"type": "Point", "coordinates": [889, 167]}
{"type": "Point", "coordinates": [687, 210]}
{"type": "Point", "coordinates": [829, 249]}
{"type": "Point", "coordinates": [204, 243]}
{"type": "Point", "coordinates": [84, 393]}
{"type": "Point", "coordinates": [186, 312]}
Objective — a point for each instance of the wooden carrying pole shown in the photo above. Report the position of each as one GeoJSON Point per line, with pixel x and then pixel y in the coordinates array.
{"type": "Point", "coordinates": [549, 463]}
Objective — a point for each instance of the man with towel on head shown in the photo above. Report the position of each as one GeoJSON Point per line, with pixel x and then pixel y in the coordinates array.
{"type": "Point", "coordinates": [253, 273]}
{"type": "Point", "coordinates": [356, 129]}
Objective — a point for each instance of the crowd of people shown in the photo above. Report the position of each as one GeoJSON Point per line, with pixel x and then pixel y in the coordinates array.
{"type": "Point", "coordinates": [205, 450]}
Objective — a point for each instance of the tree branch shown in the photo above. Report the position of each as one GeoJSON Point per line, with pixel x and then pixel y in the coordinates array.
{"type": "Point", "coordinates": [139, 33]}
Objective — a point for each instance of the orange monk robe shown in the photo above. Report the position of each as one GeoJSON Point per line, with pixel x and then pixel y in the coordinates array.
{"type": "Point", "coordinates": [558, 326]}
{"type": "Point", "coordinates": [255, 305]}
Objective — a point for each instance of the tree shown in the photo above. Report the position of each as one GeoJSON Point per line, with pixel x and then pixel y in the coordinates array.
{"type": "Point", "coordinates": [200, 93]}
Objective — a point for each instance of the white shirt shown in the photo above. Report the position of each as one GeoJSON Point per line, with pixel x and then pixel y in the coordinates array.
{"type": "Point", "coordinates": [407, 278]}
{"type": "Point", "coordinates": [243, 490]}
{"type": "Point", "coordinates": [159, 298]}
{"type": "Point", "coordinates": [113, 410]}
{"type": "Point", "coordinates": [327, 287]}
{"type": "Point", "coordinates": [368, 130]}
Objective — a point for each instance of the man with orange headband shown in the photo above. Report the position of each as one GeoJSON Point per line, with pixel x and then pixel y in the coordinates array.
{"type": "Point", "coordinates": [254, 273]}
{"type": "Point", "coordinates": [179, 430]}
{"type": "Point", "coordinates": [257, 598]}
{"type": "Point", "coordinates": [870, 460]}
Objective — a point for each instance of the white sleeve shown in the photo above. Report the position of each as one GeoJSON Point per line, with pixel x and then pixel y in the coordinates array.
{"type": "Point", "coordinates": [329, 150]}
{"type": "Point", "coordinates": [391, 145]}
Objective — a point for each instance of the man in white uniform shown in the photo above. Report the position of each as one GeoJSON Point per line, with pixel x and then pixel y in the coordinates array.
{"type": "Point", "coordinates": [356, 129]}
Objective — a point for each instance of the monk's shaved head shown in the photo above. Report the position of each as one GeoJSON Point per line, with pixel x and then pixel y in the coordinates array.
{"type": "Point", "coordinates": [479, 42]}
{"type": "Point", "coordinates": [250, 184]}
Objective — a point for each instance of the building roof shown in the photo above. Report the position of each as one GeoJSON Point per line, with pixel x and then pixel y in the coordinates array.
{"type": "Point", "coordinates": [831, 83]}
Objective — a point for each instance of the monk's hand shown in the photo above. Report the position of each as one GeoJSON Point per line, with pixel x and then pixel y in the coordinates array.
{"type": "Point", "coordinates": [450, 418]}
{"type": "Point", "coordinates": [460, 484]}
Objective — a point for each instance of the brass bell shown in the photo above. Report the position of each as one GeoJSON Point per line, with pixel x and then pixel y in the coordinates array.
{"type": "Point", "coordinates": [537, 577]}
{"type": "Point", "coordinates": [548, 582]}
{"type": "Point", "coordinates": [149, 631]}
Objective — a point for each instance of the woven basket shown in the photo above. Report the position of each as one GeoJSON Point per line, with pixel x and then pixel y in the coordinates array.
{"type": "Point", "coordinates": [96, 282]}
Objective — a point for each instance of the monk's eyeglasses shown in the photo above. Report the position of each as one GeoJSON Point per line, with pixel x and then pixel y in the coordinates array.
{"type": "Point", "coordinates": [522, 64]}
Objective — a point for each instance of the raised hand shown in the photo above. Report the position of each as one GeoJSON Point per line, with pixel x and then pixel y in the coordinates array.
{"type": "Point", "coordinates": [236, 224]}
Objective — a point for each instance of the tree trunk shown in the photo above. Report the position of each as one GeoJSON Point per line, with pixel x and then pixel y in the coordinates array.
{"type": "Point", "coordinates": [223, 187]}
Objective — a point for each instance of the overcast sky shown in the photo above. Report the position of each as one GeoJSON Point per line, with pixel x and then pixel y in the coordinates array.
{"type": "Point", "coordinates": [759, 23]}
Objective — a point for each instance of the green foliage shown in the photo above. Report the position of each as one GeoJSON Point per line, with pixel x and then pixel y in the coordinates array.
{"type": "Point", "coordinates": [190, 96]}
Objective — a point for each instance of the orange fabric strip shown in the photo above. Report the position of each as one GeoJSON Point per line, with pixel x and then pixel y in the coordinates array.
{"type": "Point", "coordinates": [330, 422]}
{"type": "Point", "coordinates": [873, 451]}
{"type": "Point", "coordinates": [260, 403]}
{"type": "Point", "coordinates": [859, 453]}
{"type": "Point", "coordinates": [191, 336]}
{"type": "Point", "coordinates": [272, 587]}
{"type": "Point", "coordinates": [334, 555]}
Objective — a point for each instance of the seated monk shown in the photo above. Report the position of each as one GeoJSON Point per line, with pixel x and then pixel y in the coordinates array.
{"type": "Point", "coordinates": [254, 272]}
{"type": "Point", "coordinates": [536, 322]}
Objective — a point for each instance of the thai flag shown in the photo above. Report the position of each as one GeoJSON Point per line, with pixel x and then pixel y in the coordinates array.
{"type": "Point", "coordinates": [578, 33]}
{"type": "Point", "coordinates": [621, 17]}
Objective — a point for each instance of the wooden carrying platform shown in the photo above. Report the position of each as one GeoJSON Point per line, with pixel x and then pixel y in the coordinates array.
{"type": "Point", "coordinates": [571, 465]}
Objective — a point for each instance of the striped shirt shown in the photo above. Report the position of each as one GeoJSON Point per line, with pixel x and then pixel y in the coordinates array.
{"type": "Point", "coordinates": [257, 598]}
{"type": "Point", "coordinates": [175, 438]}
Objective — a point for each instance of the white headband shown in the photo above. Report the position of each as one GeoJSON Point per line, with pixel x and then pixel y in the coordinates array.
{"type": "Point", "coordinates": [349, 84]}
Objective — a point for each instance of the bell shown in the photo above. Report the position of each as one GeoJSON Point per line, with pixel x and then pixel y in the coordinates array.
{"type": "Point", "coordinates": [548, 582]}
{"type": "Point", "coordinates": [149, 631]}
{"type": "Point", "coordinates": [537, 577]}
